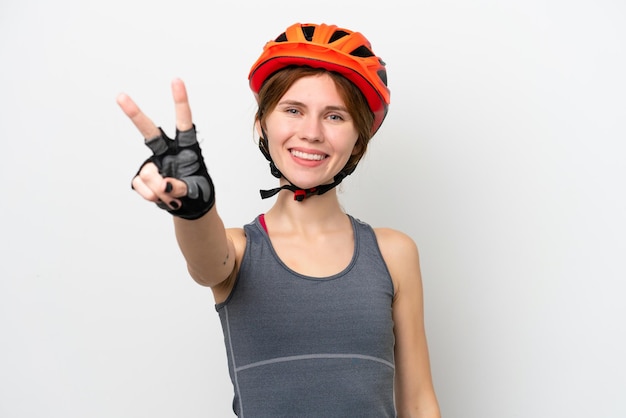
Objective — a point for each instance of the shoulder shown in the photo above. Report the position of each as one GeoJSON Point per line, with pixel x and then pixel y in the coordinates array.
{"type": "Point", "coordinates": [395, 244]}
{"type": "Point", "coordinates": [237, 237]}
{"type": "Point", "coordinates": [401, 255]}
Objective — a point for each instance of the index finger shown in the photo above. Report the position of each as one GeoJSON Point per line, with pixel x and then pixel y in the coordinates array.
{"type": "Point", "coordinates": [181, 103]}
{"type": "Point", "coordinates": [143, 123]}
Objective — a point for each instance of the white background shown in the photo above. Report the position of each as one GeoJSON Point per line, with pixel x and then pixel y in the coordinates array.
{"type": "Point", "coordinates": [502, 156]}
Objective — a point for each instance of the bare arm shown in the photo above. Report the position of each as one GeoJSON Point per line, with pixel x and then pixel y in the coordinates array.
{"type": "Point", "coordinates": [203, 241]}
{"type": "Point", "coordinates": [207, 248]}
{"type": "Point", "coordinates": [414, 391]}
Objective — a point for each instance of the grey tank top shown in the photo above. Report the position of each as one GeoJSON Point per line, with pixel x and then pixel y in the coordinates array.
{"type": "Point", "coordinates": [301, 346]}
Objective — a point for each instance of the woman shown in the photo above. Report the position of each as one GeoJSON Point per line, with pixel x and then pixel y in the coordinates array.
{"type": "Point", "coordinates": [322, 314]}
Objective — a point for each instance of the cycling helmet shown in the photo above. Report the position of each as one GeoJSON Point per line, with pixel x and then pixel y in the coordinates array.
{"type": "Point", "coordinates": [330, 47]}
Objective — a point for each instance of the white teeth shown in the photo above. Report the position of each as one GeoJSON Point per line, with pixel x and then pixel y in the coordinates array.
{"type": "Point", "coordinates": [307, 156]}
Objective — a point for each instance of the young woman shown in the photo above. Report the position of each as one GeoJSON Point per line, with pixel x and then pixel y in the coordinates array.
{"type": "Point", "coordinates": [322, 315]}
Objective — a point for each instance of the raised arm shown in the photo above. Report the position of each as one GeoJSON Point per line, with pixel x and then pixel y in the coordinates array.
{"type": "Point", "coordinates": [176, 179]}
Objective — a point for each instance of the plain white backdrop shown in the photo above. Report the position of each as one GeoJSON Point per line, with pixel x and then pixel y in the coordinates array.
{"type": "Point", "coordinates": [502, 156]}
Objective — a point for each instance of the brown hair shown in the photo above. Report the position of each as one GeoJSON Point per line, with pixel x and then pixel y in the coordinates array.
{"type": "Point", "coordinates": [277, 85]}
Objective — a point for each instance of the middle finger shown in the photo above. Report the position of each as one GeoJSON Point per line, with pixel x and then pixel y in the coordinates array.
{"type": "Point", "coordinates": [181, 103]}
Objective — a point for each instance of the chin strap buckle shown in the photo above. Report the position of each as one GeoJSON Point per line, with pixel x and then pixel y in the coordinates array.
{"type": "Point", "coordinates": [300, 194]}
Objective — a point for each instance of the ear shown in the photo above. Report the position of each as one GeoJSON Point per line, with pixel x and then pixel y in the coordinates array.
{"type": "Point", "coordinates": [257, 126]}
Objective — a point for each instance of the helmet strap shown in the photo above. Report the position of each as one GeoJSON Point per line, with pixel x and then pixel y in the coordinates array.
{"type": "Point", "coordinates": [299, 193]}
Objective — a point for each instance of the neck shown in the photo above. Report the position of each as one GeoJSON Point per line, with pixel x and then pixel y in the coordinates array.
{"type": "Point", "coordinates": [314, 212]}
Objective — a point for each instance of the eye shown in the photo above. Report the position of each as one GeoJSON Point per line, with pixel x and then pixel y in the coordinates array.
{"type": "Point", "coordinates": [292, 111]}
{"type": "Point", "coordinates": [336, 117]}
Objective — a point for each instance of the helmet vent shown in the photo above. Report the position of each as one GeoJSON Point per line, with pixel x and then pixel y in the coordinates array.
{"type": "Point", "coordinates": [337, 35]}
{"type": "Point", "coordinates": [383, 76]}
{"type": "Point", "coordinates": [308, 32]}
{"type": "Point", "coordinates": [281, 38]}
{"type": "Point", "coordinates": [362, 52]}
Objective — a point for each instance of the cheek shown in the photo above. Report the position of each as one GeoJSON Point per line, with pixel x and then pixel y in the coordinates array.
{"type": "Point", "coordinates": [354, 145]}
{"type": "Point", "coordinates": [357, 149]}
{"type": "Point", "coordinates": [275, 128]}
{"type": "Point", "coordinates": [274, 142]}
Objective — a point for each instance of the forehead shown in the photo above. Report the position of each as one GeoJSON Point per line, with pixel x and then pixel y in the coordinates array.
{"type": "Point", "coordinates": [314, 88]}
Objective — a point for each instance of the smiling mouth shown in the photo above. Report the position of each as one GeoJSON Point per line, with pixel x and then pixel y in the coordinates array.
{"type": "Point", "coordinates": [307, 156]}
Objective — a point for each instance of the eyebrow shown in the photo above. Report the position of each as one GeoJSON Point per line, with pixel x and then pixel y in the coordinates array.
{"type": "Point", "coordinates": [297, 103]}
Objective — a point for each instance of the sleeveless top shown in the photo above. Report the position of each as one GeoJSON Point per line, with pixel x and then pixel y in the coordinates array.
{"type": "Point", "coordinates": [300, 346]}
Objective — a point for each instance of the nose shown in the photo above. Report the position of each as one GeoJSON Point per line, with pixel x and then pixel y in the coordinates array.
{"type": "Point", "coordinates": [311, 129]}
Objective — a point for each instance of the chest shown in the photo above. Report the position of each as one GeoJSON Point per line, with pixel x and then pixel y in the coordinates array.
{"type": "Point", "coordinates": [315, 257]}
{"type": "Point", "coordinates": [280, 312]}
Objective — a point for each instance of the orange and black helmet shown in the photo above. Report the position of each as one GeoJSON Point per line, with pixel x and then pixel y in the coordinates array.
{"type": "Point", "coordinates": [330, 47]}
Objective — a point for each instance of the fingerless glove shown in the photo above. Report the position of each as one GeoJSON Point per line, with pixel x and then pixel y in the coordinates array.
{"type": "Point", "coordinates": [181, 158]}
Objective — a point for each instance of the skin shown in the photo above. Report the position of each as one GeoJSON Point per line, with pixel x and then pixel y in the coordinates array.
{"type": "Point", "coordinates": [313, 237]}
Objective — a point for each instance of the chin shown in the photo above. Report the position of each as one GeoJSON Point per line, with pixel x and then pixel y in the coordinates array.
{"type": "Point", "coordinates": [309, 183]}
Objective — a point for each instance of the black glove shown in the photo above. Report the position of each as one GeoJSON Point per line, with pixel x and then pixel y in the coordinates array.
{"type": "Point", "coordinates": [181, 158]}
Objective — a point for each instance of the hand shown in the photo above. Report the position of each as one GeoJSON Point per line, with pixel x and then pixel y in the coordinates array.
{"type": "Point", "coordinates": [175, 177]}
